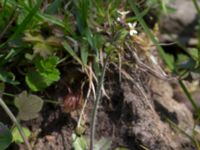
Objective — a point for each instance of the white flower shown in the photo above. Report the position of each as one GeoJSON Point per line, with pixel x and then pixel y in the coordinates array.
{"type": "Point", "coordinates": [123, 13]}
{"type": "Point", "coordinates": [118, 19]}
{"type": "Point", "coordinates": [132, 30]}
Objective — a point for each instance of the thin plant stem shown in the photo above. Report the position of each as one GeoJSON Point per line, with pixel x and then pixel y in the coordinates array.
{"type": "Point", "coordinates": [187, 93]}
{"type": "Point", "coordinates": [196, 6]}
{"type": "Point", "coordinates": [176, 127]}
{"type": "Point", "coordinates": [198, 30]}
{"type": "Point", "coordinates": [96, 104]}
{"type": "Point", "coordinates": [7, 94]}
{"type": "Point", "coordinates": [14, 120]}
{"type": "Point", "coordinates": [52, 102]}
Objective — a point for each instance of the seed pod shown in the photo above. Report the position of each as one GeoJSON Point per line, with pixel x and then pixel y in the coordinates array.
{"type": "Point", "coordinates": [72, 101]}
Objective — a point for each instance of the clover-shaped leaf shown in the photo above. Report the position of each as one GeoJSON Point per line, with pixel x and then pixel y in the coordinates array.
{"type": "Point", "coordinates": [5, 136]}
{"type": "Point", "coordinates": [29, 105]}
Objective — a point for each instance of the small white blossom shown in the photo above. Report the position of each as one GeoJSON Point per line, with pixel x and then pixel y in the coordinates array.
{"type": "Point", "coordinates": [118, 19]}
{"type": "Point", "coordinates": [132, 29]}
{"type": "Point", "coordinates": [123, 13]}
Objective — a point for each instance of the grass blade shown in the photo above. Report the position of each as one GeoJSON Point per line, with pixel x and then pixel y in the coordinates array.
{"type": "Point", "coordinates": [26, 21]}
{"type": "Point", "coordinates": [71, 52]}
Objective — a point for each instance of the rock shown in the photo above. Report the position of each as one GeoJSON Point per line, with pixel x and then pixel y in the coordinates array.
{"type": "Point", "coordinates": [181, 23]}
{"type": "Point", "coordinates": [151, 127]}
{"type": "Point", "coordinates": [169, 107]}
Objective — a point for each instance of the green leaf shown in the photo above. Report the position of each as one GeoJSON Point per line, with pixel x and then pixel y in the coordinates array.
{"type": "Point", "coordinates": [103, 144]}
{"type": "Point", "coordinates": [84, 54]}
{"type": "Point", "coordinates": [35, 81]}
{"type": "Point", "coordinates": [45, 74]}
{"type": "Point", "coordinates": [182, 57]}
{"type": "Point", "coordinates": [82, 14]}
{"type": "Point", "coordinates": [33, 38]}
{"type": "Point", "coordinates": [68, 48]}
{"type": "Point", "coordinates": [26, 21]}
{"type": "Point", "coordinates": [96, 67]}
{"type": "Point", "coordinates": [28, 105]}
{"type": "Point", "coordinates": [194, 52]}
{"type": "Point", "coordinates": [171, 59]}
{"type": "Point", "coordinates": [47, 65]}
{"type": "Point", "coordinates": [188, 64]}
{"type": "Point", "coordinates": [40, 46]}
{"type": "Point", "coordinates": [79, 143]}
{"type": "Point", "coordinates": [53, 7]}
{"type": "Point", "coordinates": [90, 38]}
{"type": "Point", "coordinates": [38, 81]}
{"type": "Point", "coordinates": [8, 77]}
{"type": "Point", "coordinates": [42, 49]}
{"type": "Point", "coordinates": [17, 138]}
{"type": "Point", "coordinates": [53, 20]}
{"type": "Point", "coordinates": [5, 137]}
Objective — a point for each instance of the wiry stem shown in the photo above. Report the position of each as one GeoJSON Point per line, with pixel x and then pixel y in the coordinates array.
{"type": "Point", "coordinates": [98, 97]}
{"type": "Point", "coordinates": [196, 6]}
{"type": "Point", "coordinates": [14, 120]}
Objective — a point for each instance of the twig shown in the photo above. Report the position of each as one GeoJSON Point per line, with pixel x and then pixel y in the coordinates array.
{"type": "Point", "coordinates": [84, 106]}
{"type": "Point", "coordinates": [98, 97]}
{"type": "Point", "coordinates": [138, 86]}
{"type": "Point", "coordinates": [141, 90]}
{"type": "Point", "coordinates": [149, 69]}
{"type": "Point", "coordinates": [12, 117]}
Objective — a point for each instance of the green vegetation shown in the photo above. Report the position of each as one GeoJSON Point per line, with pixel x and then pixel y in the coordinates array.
{"type": "Point", "coordinates": [39, 40]}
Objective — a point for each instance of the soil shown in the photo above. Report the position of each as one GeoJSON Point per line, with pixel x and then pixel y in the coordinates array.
{"type": "Point", "coordinates": [182, 26]}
